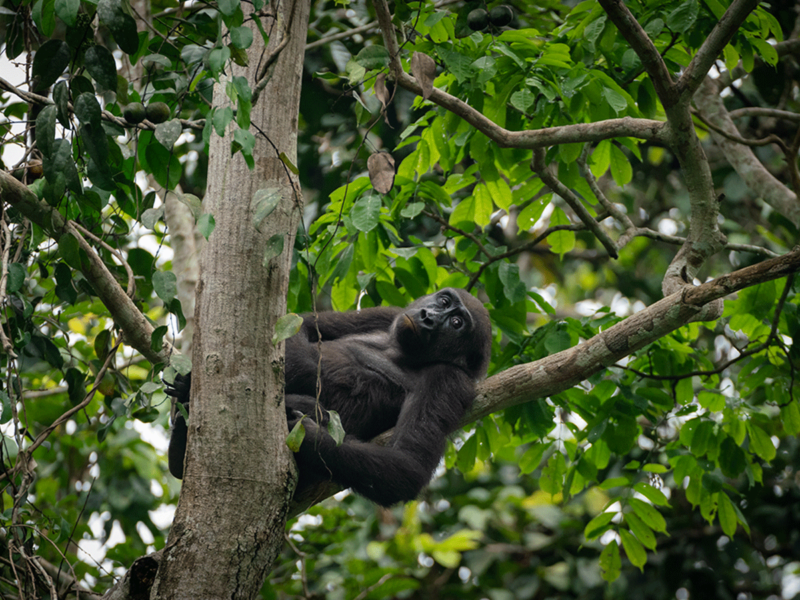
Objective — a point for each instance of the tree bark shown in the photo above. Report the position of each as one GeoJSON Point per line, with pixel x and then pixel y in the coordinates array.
{"type": "Point", "coordinates": [239, 476]}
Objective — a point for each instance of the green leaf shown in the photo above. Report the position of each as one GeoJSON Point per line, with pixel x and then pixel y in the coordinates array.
{"type": "Point", "coordinates": [530, 460]}
{"type": "Point", "coordinates": [727, 514]}
{"type": "Point", "coordinates": [286, 327]}
{"type": "Point", "coordinates": [790, 417]}
{"type": "Point", "coordinates": [731, 57]}
{"type": "Point", "coordinates": [44, 16]}
{"type": "Point", "coordinates": [121, 24]}
{"type": "Point", "coordinates": [243, 140]}
{"type": "Point", "coordinates": [49, 63]}
{"type": "Point", "coordinates": [614, 482]}
{"type": "Point", "coordinates": [101, 66]}
{"type": "Point", "coordinates": [648, 491]}
{"type": "Point", "coordinates": [166, 167]}
{"type": "Point", "coordinates": [610, 561]}
{"type": "Point", "coordinates": [522, 100]}
{"type": "Point", "coordinates": [221, 118]}
{"type": "Point", "coordinates": [634, 550]}
{"type": "Point", "coordinates": [648, 514]}
{"type": "Point", "coordinates": [168, 133]}
{"type": "Point", "coordinates": [335, 427]}
{"type": "Point", "coordinates": [217, 59]}
{"type": "Point", "coordinates": [165, 285]}
{"type": "Point", "coordinates": [615, 100]}
{"type": "Point", "coordinates": [102, 344]}
{"type": "Point", "coordinates": [683, 17]}
{"type": "Point", "coordinates": [181, 363]}
{"type": "Point", "coordinates": [467, 454]}
{"type": "Point", "coordinates": [295, 438]}
{"type": "Point", "coordinates": [288, 162]}
{"type": "Point", "coordinates": [241, 37]}
{"type": "Point", "coordinates": [67, 11]}
{"type": "Point", "coordinates": [151, 216]}
{"type": "Point", "coordinates": [373, 57]}
{"type": "Point", "coordinates": [702, 438]}
{"type": "Point", "coordinates": [16, 277]}
{"type": "Point", "coordinates": [46, 130]}
{"type": "Point", "coordinates": [560, 242]}
{"type": "Point", "coordinates": [599, 525]}
{"type": "Point", "coordinates": [69, 250]}
{"type": "Point", "coordinates": [366, 212]}
{"type": "Point", "coordinates": [458, 64]}
{"type": "Point", "coordinates": [529, 215]}
{"type": "Point", "coordinates": [732, 459]}
{"type": "Point", "coordinates": [646, 98]}
{"type": "Point", "coordinates": [206, 224]}
{"type": "Point", "coordinates": [513, 287]}
{"type": "Point", "coordinates": [760, 442]}
{"type": "Point", "coordinates": [87, 109]}
{"type": "Point", "coordinates": [61, 98]}
{"type": "Point", "coordinates": [157, 338]}
{"type": "Point", "coordinates": [642, 532]}
{"type": "Point", "coordinates": [76, 390]}
{"type": "Point", "coordinates": [621, 169]}
{"type": "Point", "coordinates": [273, 249]}
{"type": "Point", "coordinates": [265, 200]}
{"type": "Point", "coordinates": [476, 209]}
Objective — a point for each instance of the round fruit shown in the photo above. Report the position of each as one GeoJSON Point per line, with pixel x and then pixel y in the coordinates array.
{"type": "Point", "coordinates": [478, 19]}
{"type": "Point", "coordinates": [157, 112]}
{"type": "Point", "coordinates": [134, 113]}
{"type": "Point", "coordinates": [502, 15]}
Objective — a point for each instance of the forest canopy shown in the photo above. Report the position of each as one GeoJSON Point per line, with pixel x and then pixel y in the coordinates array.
{"type": "Point", "coordinates": [616, 183]}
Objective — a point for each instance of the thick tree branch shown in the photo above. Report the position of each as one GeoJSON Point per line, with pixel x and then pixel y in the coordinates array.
{"type": "Point", "coordinates": [742, 158]}
{"type": "Point", "coordinates": [559, 372]}
{"type": "Point", "coordinates": [136, 328]}
{"type": "Point", "coordinates": [704, 236]}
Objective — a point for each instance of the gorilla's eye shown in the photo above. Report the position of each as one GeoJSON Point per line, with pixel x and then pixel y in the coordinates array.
{"type": "Point", "coordinates": [444, 301]}
{"type": "Point", "coordinates": [456, 322]}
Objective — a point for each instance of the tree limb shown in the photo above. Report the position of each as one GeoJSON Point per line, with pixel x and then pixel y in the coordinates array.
{"type": "Point", "coordinates": [646, 129]}
{"type": "Point", "coordinates": [136, 329]}
{"type": "Point", "coordinates": [743, 159]}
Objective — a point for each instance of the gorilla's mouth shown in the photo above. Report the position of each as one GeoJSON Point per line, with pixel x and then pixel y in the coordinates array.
{"type": "Point", "coordinates": [409, 322]}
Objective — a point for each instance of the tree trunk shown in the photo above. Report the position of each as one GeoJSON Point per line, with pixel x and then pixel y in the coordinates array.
{"type": "Point", "coordinates": [239, 476]}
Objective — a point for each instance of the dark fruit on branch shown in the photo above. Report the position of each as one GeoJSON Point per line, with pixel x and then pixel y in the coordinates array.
{"type": "Point", "coordinates": [157, 112]}
{"type": "Point", "coordinates": [134, 113]}
{"type": "Point", "coordinates": [502, 15]}
{"type": "Point", "coordinates": [478, 19]}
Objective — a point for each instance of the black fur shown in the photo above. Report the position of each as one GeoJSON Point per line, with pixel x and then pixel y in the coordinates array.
{"type": "Point", "coordinates": [413, 369]}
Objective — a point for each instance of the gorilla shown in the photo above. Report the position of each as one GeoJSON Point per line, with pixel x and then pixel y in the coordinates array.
{"type": "Point", "coordinates": [413, 369]}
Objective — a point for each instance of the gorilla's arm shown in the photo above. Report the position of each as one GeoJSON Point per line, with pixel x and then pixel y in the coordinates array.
{"type": "Point", "coordinates": [397, 472]}
{"type": "Point", "coordinates": [333, 325]}
{"type": "Point", "coordinates": [179, 390]}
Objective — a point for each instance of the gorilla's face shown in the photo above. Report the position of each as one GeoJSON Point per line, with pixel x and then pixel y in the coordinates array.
{"type": "Point", "coordinates": [450, 326]}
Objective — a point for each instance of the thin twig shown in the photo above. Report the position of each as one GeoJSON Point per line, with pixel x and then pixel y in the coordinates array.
{"type": "Point", "coordinates": [757, 111]}
{"type": "Point", "coordinates": [574, 202]}
{"type": "Point", "coordinates": [78, 407]}
{"type": "Point", "coordinates": [131, 291]}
